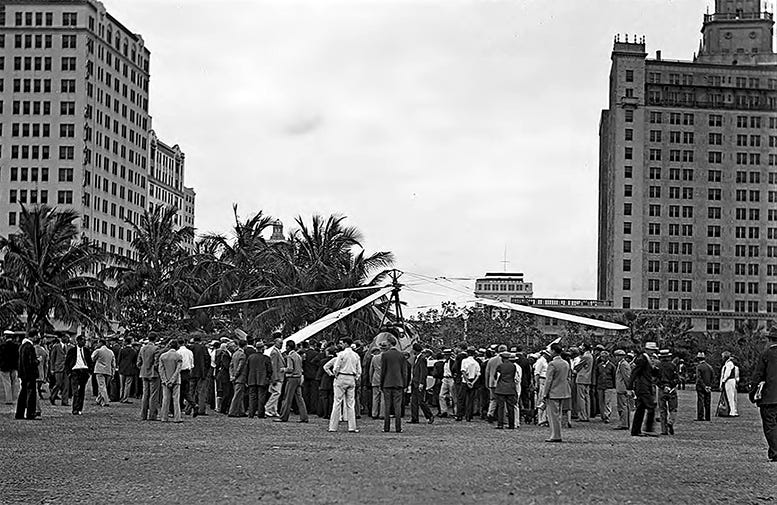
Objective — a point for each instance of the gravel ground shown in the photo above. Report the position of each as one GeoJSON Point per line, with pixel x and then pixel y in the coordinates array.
{"type": "Point", "coordinates": [109, 456]}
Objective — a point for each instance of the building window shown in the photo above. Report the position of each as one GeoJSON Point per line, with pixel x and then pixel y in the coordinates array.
{"type": "Point", "coordinates": [713, 324]}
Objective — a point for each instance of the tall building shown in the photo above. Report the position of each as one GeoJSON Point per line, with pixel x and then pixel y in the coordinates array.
{"type": "Point", "coordinates": [74, 118]}
{"type": "Point", "coordinates": [503, 286]}
{"type": "Point", "coordinates": [688, 175]}
{"type": "Point", "coordinates": [166, 183]}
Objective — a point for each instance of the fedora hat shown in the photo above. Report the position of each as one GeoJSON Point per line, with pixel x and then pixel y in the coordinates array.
{"type": "Point", "coordinates": [651, 346]}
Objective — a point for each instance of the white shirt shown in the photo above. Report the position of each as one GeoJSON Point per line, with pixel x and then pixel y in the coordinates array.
{"type": "Point", "coordinates": [347, 363]}
{"type": "Point", "coordinates": [187, 358]}
{"type": "Point", "coordinates": [80, 362]}
{"type": "Point", "coordinates": [470, 369]}
{"type": "Point", "coordinates": [212, 353]}
{"type": "Point", "coordinates": [541, 367]}
{"type": "Point", "coordinates": [446, 370]}
{"type": "Point", "coordinates": [727, 371]}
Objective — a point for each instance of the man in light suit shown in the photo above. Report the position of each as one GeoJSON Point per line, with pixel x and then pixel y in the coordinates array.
{"type": "Point", "coordinates": [556, 390]}
{"type": "Point", "coordinates": [237, 374]}
{"type": "Point", "coordinates": [170, 364]}
{"type": "Point", "coordinates": [198, 376]}
{"type": "Point", "coordinates": [104, 366]}
{"type": "Point", "coordinates": [150, 375]}
{"type": "Point", "coordinates": [277, 362]}
{"type": "Point", "coordinates": [584, 369]}
{"type": "Point", "coordinates": [624, 401]}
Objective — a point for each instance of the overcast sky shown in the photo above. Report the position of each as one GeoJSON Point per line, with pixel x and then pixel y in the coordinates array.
{"type": "Point", "coordinates": [445, 130]}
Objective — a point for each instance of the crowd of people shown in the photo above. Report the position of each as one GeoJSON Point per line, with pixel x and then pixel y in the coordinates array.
{"type": "Point", "coordinates": [345, 380]}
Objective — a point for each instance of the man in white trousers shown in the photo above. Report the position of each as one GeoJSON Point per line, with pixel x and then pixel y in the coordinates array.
{"type": "Point", "coordinates": [345, 368]}
{"type": "Point", "coordinates": [729, 378]}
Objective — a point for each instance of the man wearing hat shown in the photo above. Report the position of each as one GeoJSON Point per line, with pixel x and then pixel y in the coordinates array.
{"type": "Point", "coordinates": [624, 401]}
{"type": "Point", "coordinates": [470, 372]}
{"type": "Point", "coordinates": [729, 378]}
{"type": "Point", "coordinates": [668, 380]}
{"type": "Point", "coordinates": [446, 398]}
{"type": "Point", "coordinates": [505, 379]}
{"type": "Point", "coordinates": [704, 378]}
{"type": "Point", "coordinates": [584, 369]}
{"type": "Point", "coordinates": [540, 372]}
{"type": "Point", "coordinates": [491, 366]}
{"type": "Point", "coordinates": [764, 393]}
{"type": "Point", "coordinates": [418, 385]}
{"type": "Point", "coordinates": [605, 384]}
{"type": "Point", "coordinates": [641, 383]}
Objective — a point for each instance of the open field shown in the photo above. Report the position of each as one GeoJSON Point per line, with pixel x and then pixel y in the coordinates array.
{"type": "Point", "coordinates": [109, 456]}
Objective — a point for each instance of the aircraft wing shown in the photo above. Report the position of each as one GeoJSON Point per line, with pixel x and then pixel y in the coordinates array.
{"type": "Point", "coordinates": [527, 309]}
{"type": "Point", "coordinates": [330, 319]}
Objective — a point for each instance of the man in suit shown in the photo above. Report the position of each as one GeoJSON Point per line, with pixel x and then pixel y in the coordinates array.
{"type": "Point", "coordinates": [223, 383]}
{"type": "Point", "coordinates": [237, 374]}
{"type": "Point", "coordinates": [26, 405]}
{"type": "Point", "coordinates": [490, 371]}
{"type": "Point", "coordinates": [198, 376]}
{"type": "Point", "coordinates": [375, 374]}
{"type": "Point", "coordinates": [418, 386]}
{"type": "Point", "coordinates": [104, 365]}
{"type": "Point", "coordinates": [78, 366]}
{"type": "Point", "coordinates": [605, 384]}
{"type": "Point", "coordinates": [393, 376]}
{"type": "Point", "coordinates": [641, 383]}
{"type": "Point", "coordinates": [9, 366]}
{"type": "Point", "coordinates": [622, 374]}
{"type": "Point", "coordinates": [293, 375]}
{"type": "Point", "coordinates": [667, 381]}
{"type": "Point", "coordinates": [170, 364]}
{"type": "Point", "coordinates": [128, 370]}
{"type": "Point", "coordinates": [764, 393]}
{"type": "Point", "coordinates": [277, 362]}
{"type": "Point", "coordinates": [310, 365]}
{"type": "Point", "coordinates": [556, 389]}
{"type": "Point", "coordinates": [704, 380]}
{"type": "Point", "coordinates": [584, 369]}
{"type": "Point", "coordinates": [505, 375]}
{"type": "Point", "coordinates": [729, 378]}
{"type": "Point", "coordinates": [149, 373]}
{"type": "Point", "coordinates": [258, 378]}
{"type": "Point", "coordinates": [57, 356]}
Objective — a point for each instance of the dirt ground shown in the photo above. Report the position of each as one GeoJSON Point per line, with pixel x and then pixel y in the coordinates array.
{"type": "Point", "coordinates": [109, 456]}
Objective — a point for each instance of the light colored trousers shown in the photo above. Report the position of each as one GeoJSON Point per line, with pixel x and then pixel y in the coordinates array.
{"type": "Point", "coordinates": [102, 388]}
{"type": "Point", "coordinates": [171, 394]}
{"type": "Point", "coordinates": [492, 402]}
{"type": "Point", "coordinates": [446, 393]}
{"type": "Point", "coordinates": [605, 403]}
{"type": "Point", "coordinates": [731, 395]}
{"type": "Point", "coordinates": [553, 408]}
{"type": "Point", "coordinates": [377, 402]}
{"type": "Point", "coordinates": [542, 414]}
{"type": "Point", "coordinates": [518, 405]}
{"type": "Point", "coordinates": [274, 392]}
{"type": "Point", "coordinates": [583, 401]}
{"type": "Point", "coordinates": [345, 397]}
{"type": "Point", "coordinates": [11, 385]}
{"type": "Point", "coordinates": [625, 409]}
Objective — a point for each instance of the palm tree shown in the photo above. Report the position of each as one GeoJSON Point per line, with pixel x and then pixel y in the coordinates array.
{"type": "Point", "coordinates": [152, 288]}
{"type": "Point", "coordinates": [47, 272]}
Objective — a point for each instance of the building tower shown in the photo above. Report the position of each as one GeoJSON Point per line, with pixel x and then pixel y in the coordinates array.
{"type": "Point", "coordinates": [73, 116]}
{"type": "Point", "coordinates": [688, 175]}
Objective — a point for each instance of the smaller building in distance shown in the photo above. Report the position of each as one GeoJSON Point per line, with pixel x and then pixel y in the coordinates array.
{"type": "Point", "coordinates": [166, 183]}
{"type": "Point", "coordinates": [503, 286]}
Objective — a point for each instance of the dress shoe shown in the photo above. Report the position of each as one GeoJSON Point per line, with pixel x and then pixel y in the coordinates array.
{"type": "Point", "coordinates": [671, 429]}
{"type": "Point", "coordinates": [332, 431]}
{"type": "Point", "coordinates": [65, 404]}
{"type": "Point", "coordinates": [279, 421]}
{"type": "Point", "coordinates": [554, 440]}
{"type": "Point", "coordinates": [413, 422]}
{"type": "Point", "coordinates": [443, 414]}
{"type": "Point", "coordinates": [431, 420]}
{"type": "Point", "coordinates": [52, 400]}
{"type": "Point", "coordinates": [302, 421]}
{"type": "Point", "coordinates": [499, 427]}
{"type": "Point", "coordinates": [353, 431]}
{"type": "Point", "coordinates": [620, 428]}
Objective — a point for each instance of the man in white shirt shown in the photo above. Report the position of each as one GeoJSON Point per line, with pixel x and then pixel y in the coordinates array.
{"type": "Point", "coordinates": [540, 370]}
{"type": "Point", "coordinates": [729, 378]}
{"type": "Point", "coordinates": [345, 369]}
{"type": "Point", "coordinates": [187, 363]}
{"type": "Point", "coordinates": [446, 398]}
{"type": "Point", "coordinates": [470, 371]}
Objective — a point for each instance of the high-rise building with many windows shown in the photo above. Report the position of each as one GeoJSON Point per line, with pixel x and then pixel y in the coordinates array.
{"type": "Point", "coordinates": [74, 116]}
{"type": "Point", "coordinates": [688, 175]}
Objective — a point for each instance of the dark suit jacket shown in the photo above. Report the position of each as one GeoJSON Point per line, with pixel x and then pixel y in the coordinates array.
{"type": "Point", "coordinates": [9, 356]}
{"type": "Point", "coordinates": [393, 372]}
{"type": "Point", "coordinates": [310, 364]}
{"type": "Point", "coordinates": [28, 362]}
{"type": "Point", "coordinates": [259, 370]}
{"type": "Point", "coordinates": [70, 360]}
{"type": "Point", "coordinates": [641, 380]}
{"type": "Point", "coordinates": [705, 376]}
{"type": "Point", "coordinates": [766, 371]}
{"type": "Point", "coordinates": [201, 362]}
{"type": "Point", "coordinates": [128, 357]}
{"type": "Point", "coordinates": [420, 371]}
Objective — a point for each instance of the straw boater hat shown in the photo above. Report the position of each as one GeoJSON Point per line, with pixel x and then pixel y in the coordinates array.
{"type": "Point", "coordinates": [619, 352]}
{"type": "Point", "coordinates": [664, 353]}
{"type": "Point", "coordinates": [651, 346]}
{"type": "Point", "coordinates": [701, 355]}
